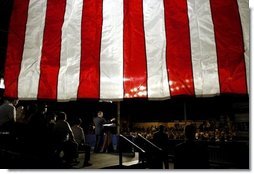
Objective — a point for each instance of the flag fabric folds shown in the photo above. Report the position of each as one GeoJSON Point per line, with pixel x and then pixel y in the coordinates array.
{"type": "Point", "coordinates": [115, 49]}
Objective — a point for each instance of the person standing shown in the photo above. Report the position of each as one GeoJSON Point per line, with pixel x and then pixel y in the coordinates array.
{"type": "Point", "coordinates": [160, 138]}
{"type": "Point", "coordinates": [191, 154]}
{"type": "Point", "coordinates": [107, 139]}
{"type": "Point", "coordinates": [8, 114]}
{"type": "Point", "coordinates": [99, 130]}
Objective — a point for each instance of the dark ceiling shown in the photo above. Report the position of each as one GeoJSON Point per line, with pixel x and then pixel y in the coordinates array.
{"type": "Point", "coordinates": [5, 13]}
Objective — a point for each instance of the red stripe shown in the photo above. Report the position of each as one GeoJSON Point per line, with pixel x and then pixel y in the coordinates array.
{"type": "Point", "coordinates": [134, 50]}
{"type": "Point", "coordinates": [89, 86]}
{"type": "Point", "coordinates": [229, 45]}
{"type": "Point", "coordinates": [178, 51]}
{"type": "Point", "coordinates": [15, 48]}
{"type": "Point", "coordinates": [51, 49]}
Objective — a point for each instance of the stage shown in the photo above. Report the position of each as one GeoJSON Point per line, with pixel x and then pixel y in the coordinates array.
{"type": "Point", "coordinates": [108, 160]}
{"type": "Point", "coordinates": [105, 160]}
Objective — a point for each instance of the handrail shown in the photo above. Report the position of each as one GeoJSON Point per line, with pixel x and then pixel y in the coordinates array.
{"type": "Point", "coordinates": [129, 141]}
{"type": "Point", "coordinates": [150, 142]}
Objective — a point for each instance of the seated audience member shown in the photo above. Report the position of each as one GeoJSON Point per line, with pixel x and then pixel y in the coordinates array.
{"type": "Point", "coordinates": [37, 127]}
{"type": "Point", "coordinates": [191, 154]}
{"type": "Point", "coordinates": [50, 125]}
{"type": "Point", "coordinates": [8, 114]}
{"type": "Point", "coordinates": [7, 122]}
{"type": "Point", "coordinates": [80, 139]}
{"type": "Point", "coordinates": [64, 139]}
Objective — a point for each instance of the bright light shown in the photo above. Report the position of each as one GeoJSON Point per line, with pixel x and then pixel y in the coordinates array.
{"type": "Point", "coordinates": [2, 83]}
{"type": "Point", "coordinates": [142, 88]}
{"type": "Point", "coordinates": [140, 93]}
{"type": "Point", "coordinates": [106, 101]}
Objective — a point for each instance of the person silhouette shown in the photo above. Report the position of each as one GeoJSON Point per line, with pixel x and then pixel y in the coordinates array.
{"type": "Point", "coordinates": [191, 154]}
{"type": "Point", "coordinates": [160, 138]}
{"type": "Point", "coordinates": [79, 136]}
{"type": "Point", "coordinates": [64, 138]}
{"type": "Point", "coordinates": [99, 130]}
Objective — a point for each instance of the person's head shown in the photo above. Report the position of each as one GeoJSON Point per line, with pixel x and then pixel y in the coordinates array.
{"type": "Point", "coordinates": [100, 114]}
{"type": "Point", "coordinates": [43, 108]}
{"type": "Point", "coordinates": [14, 102]}
{"type": "Point", "coordinates": [61, 116]}
{"type": "Point", "coordinates": [78, 121]}
{"type": "Point", "coordinates": [161, 128]}
{"type": "Point", "coordinates": [190, 131]}
{"type": "Point", "coordinates": [20, 109]}
{"type": "Point", "coordinates": [20, 113]}
{"type": "Point", "coordinates": [32, 108]}
{"type": "Point", "coordinates": [51, 117]}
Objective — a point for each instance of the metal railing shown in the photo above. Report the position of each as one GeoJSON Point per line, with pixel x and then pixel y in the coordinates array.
{"type": "Point", "coordinates": [139, 149]}
{"type": "Point", "coordinates": [149, 142]}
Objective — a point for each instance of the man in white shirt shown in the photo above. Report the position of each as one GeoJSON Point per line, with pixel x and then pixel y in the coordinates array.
{"type": "Point", "coordinates": [79, 136]}
{"type": "Point", "coordinates": [7, 114]}
{"type": "Point", "coordinates": [64, 138]}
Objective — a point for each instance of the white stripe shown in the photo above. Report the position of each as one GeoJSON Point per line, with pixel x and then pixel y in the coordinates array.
{"type": "Point", "coordinates": [111, 60]}
{"type": "Point", "coordinates": [203, 49]}
{"type": "Point", "coordinates": [28, 81]}
{"type": "Point", "coordinates": [68, 79]}
{"type": "Point", "coordinates": [155, 37]}
{"type": "Point", "coordinates": [245, 20]}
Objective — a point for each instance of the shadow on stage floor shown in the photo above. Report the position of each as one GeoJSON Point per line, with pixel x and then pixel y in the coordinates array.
{"type": "Point", "coordinates": [109, 160]}
{"type": "Point", "coordinates": [105, 160]}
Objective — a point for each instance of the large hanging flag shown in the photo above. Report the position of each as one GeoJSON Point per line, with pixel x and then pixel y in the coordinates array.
{"type": "Point", "coordinates": [115, 49]}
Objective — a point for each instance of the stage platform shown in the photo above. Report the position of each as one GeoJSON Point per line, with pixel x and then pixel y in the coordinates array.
{"type": "Point", "coordinates": [105, 160]}
{"type": "Point", "coordinates": [108, 160]}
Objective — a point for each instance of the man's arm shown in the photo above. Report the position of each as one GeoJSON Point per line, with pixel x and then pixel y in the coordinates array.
{"type": "Point", "coordinates": [83, 136]}
{"type": "Point", "coordinates": [71, 135]}
{"type": "Point", "coordinates": [12, 114]}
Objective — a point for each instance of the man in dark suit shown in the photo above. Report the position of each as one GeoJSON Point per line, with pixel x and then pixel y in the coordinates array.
{"type": "Point", "coordinates": [191, 154]}
{"type": "Point", "coordinates": [160, 138]}
{"type": "Point", "coordinates": [99, 130]}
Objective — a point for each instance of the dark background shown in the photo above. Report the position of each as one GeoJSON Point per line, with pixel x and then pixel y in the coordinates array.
{"type": "Point", "coordinates": [5, 13]}
{"type": "Point", "coordinates": [135, 110]}
{"type": "Point", "coordinates": [176, 108]}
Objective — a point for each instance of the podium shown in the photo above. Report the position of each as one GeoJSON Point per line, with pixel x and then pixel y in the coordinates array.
{"type": "Point", "coordinates": [109, 128]}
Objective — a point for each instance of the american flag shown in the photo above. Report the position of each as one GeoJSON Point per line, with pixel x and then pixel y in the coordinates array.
{"type": "Point", "coordinates": [115, 49]}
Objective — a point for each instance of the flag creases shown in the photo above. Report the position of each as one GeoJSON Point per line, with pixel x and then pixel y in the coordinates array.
{"type": "Point", "coordinates": [154, 49]}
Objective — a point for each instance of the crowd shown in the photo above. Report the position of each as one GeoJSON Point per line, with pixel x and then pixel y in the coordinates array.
{"type": "Point", "coordinates": [34, 131]}
{"type": "Point", "coordinates": [206, 131]}
{"type": "Point", "coordinates": [187, 142]}
{"type": "Point", "coordinates": [32, 128]}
